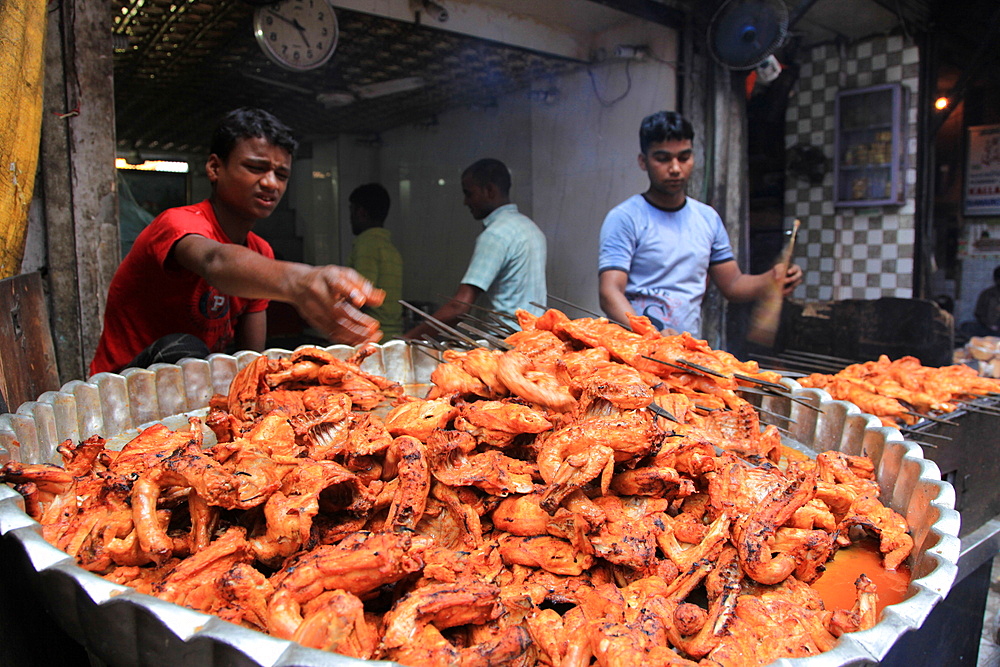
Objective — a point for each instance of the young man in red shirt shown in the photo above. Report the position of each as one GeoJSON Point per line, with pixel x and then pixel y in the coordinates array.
{"type": "Point", "coordinates": [198, 280]}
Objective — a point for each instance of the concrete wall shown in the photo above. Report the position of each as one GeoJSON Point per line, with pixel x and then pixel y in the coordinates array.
{"type": "Point", "coordinates": [571, 146]}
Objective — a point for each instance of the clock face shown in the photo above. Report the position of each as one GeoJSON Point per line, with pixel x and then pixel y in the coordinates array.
{"type": "Point", "coordinates": [297, 34]}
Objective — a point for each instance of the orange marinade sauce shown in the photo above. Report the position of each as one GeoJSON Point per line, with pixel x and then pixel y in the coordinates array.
{"type": "Point", "coordinates": [836, 586]}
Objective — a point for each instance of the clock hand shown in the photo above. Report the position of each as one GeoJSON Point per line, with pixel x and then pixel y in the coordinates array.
{"type": "Point", "coordinates": [294, 23]}
{"type": "Point", "coordinates": [302, 32]}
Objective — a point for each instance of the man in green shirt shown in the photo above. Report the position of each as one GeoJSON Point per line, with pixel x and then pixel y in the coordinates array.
{"type": "Point", "coordinates": [375, 257]}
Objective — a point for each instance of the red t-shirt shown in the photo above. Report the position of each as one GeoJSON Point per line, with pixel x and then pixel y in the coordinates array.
{"type": "Point", "coordinates": [148, 300]}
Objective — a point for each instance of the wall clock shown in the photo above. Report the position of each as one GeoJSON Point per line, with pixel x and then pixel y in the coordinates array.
{"type": "Point", "coordinates": [299, 35]}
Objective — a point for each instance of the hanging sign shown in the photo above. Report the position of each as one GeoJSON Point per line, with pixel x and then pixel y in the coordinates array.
{"type": "Point", "coordinates": [982, 171]}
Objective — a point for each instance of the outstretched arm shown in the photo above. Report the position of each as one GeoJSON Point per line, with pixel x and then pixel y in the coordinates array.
{"type": "Point", "coordinates": [738, 286]}
{"type": "Point", "coordinates": [327, 297]}
{"type": "Point", "coordinates": [449, 313]}
{"type": "Point", "coordinates": [612, 295]}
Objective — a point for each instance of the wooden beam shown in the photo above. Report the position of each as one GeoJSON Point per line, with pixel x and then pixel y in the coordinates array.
{"type": "Point", "coordinates": [78, 152]}
{"type": "Point", "coordinates": [22, 32]}
{"type": "Point", "coordinates": [64, 304]}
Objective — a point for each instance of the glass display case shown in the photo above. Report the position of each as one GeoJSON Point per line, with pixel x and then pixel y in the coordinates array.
{"type": "Point", "coordinates": [868, 163]}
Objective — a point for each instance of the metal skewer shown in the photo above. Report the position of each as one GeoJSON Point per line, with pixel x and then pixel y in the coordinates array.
{"type": "Point", "coordinates": [776, 415]}
{"type": "Point", "coordinates": [490, 338]}
{"type": "Point", "coordinates": [762, 383]}
{"type": "Point", "coordinates": [573, 305]}
{"type": "Point", "coordinates": [923, 443]}
{"type": "Point", "coordinates": [686, 369]}
{"type": "Point", "coordinates": [765, 392]}
{"type": "Point", "coordinates": [738, 376]}
{"type": "Point", "coordinates": [979, 408]}
{"type": "Point", "coordinates": [581, 309]}
{"type": "Point", "coordinates": [476, 305]}
{"type": "Point", "coordinates": [490, 327]}
{"type": "Point", "coordinates": [936, 420]}
{"type": "Point", "coordinates": [790, 365]}
{"type": "Point", "coordinates": [440, 326]}
{"type": "Point", "coordinates": [422, 349]}
{"type": "Point", "coordinates": [499, 322]}
{"type": "Point", "coordinates": [704, 369]}
{"type": "Point", "coordinates": [909, 429]}
{"type": "Point", "coordinates": [657, 410]}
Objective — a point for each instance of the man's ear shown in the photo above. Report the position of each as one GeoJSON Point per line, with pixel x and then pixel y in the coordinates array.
{"type": "Point", "coordinates": [212, 167]}
{"type": "Point", "coordinates": [493, 191]}
{"type": "Point", "coordinates": [642, 162]}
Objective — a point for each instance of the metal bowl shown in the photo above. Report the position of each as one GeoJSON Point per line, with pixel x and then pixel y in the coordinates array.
{"type": "Point", "coordinates": [119, 626]}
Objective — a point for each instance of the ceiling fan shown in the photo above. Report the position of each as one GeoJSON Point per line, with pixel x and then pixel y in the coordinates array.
{"type": "Point", "coordinates": [745, 33]}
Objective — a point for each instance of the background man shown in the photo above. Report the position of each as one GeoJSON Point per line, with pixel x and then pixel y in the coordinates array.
{"type": "Point", "coordinates": [508, 263]}
{"type": "Point", "coordinates": [659, 248]}
{"type": "Point", "coordinates": [198, 280]}
{"type": "Point", "coordinates": [375, 257]}
{"type": "Point", "coordinates": [988, 308]}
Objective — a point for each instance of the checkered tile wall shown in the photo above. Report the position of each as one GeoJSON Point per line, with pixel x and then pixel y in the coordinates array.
{"type": "Point", "coordinates": [846, 253]}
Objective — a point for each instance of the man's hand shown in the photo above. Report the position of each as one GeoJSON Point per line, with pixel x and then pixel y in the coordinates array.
{"type": "Point", "coordinates": [791, 279]}
{"type": "Point", "coordinates": [329, 298]}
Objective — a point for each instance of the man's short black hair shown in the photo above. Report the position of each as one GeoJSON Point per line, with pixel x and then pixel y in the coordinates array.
{"type": "Point", "coordinates": [996, 275]}
{"type": "Point", "coordinates": [663, 126]}
{"type": "Point", "coordinates": [373, 198]}
{"type": "Point", "coordinates": [490, 171]}
{"type": "Point", "coordinates": [248, 123]}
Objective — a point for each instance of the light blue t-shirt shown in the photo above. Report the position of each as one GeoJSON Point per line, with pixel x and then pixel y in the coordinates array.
{"type": "Point", "coordinates": [666, 255]}
{"type": "Point", "coordinates": [509, 261]}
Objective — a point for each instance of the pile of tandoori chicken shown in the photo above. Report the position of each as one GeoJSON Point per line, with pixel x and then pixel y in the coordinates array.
{"type": "Point", "coordinates": [903, 391]}
{"type": "Point", "coordinates": [567, 500]}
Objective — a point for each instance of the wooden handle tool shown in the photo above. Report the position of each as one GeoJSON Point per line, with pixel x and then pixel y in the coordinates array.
{"type": "Point", "coordinates": [766, 315]}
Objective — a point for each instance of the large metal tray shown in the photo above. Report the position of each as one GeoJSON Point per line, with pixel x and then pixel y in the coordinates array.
{"type": "Point", "coordinates": [119, 626]}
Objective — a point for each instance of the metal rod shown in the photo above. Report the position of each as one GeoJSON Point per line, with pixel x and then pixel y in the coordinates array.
{"type": "Point", "coordinates": [822, 357]}
{"type": "Point", "coordinates": [787, 374]}
{"type": "Point", "coordinates": [936, 420]}
{"type": "Point", "coordinates": [499, 322]}
{"type": "Point", "coordinates": [573, 305]}
{"type": "Point", "coordinates": [657, 410]}
{"type": "Point", "coordinates": [908, 429]}
{"type": "Point", "coordinates": [791, 363]}
{"type": "Point", "coordinates": [439, 325]}
{"type": "Point", "coordinates": [775, 414]}
{"type": "Point", "coordinates": [476, 305]}
{"type": "Point", "coordinates": [490, 327]}
{"type": "Point", "coordinates": [704, 369]}
{"type": "Point", "coordinates": [423, 350]}
{"type": "Point", "coordinates": [582, 309]}
{"type": "Point", "coordinates": [762, 383]}
{"type": "Point", "coordinates": [979, 408]}
{"type": "Point", "coordinates": [923, 444]}
{"type": "Point", "coordinates": [764, 392]}
{"type": "Point", "coordinates": [490, 338]}
{"type": "Point", "coordinates": [686, 369]}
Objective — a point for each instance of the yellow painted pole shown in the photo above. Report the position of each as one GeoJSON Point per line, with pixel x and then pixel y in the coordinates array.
{"type": "Point", "coordinates": [22, 48]}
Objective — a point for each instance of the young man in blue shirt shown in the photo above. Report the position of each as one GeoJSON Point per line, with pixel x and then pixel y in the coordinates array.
{"type": "Point", "coordinates": [658, 249]}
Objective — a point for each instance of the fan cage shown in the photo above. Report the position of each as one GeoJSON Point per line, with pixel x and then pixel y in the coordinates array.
{"type": "Point", "coordinates": [752, 10]}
